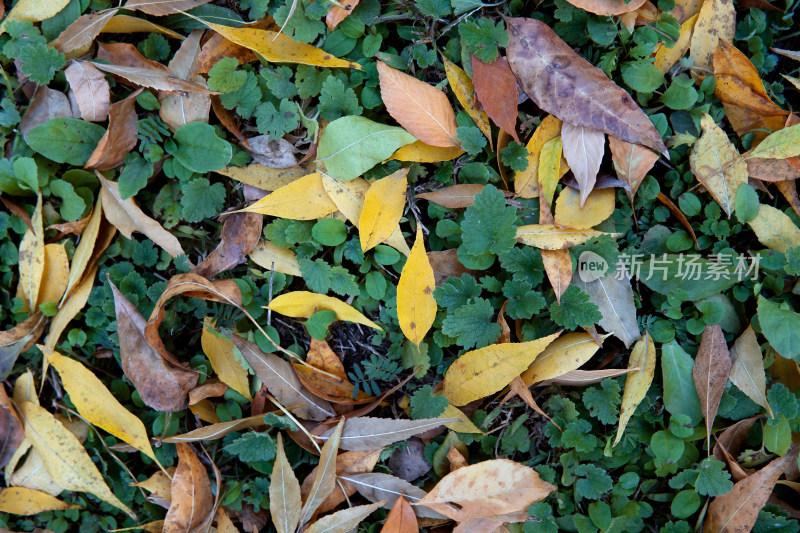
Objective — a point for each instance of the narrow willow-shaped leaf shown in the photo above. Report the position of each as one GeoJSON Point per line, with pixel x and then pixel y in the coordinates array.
{"type": "Point", "coordinates": [637, 382]}
{"type": "Point", "coordinates": [344, 520]}
{"type": "Point", "coordinates": [747, 368]}
{"type": "Point", "coordinates": [325, 481]}
{"type": "Point", "coordinates": [416, 306]}
{"type": "Point", "coordinates": [284, 493]}
{"type": "Point", "coordinates": [712, 366]}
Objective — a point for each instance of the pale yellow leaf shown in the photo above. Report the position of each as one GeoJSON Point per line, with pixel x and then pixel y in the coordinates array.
{"type": "Point", "coordinates": [264, 177]}
{"type": "Point", "coordinates": [747, 368]}
{"type": "Point", "coordinates": [464, 424]}
{"type": "Point", "coordinates": [302, 199]}
{"type": "Point", "coordinates": [220, 353]}
{"type": "Point", "coordinates": [303, 304]}
{"type": "Point", "coordinates": [420, 152]}
{"type": "Point", "coordinates": [69, 309]}
{"type": "Point", "coordinates": [565, 354]}
{"type": "Point", "coordinates": [27, 502]}
{"type": "Point", "coordinates": [31, 259]}
{"type": "Point", "coordinates": [552, 167]}
{"type": "Point", "coordinates": [129, 24]}
{"type": "Point", "coordinates": [583, 149]}
{"type": "Point", "coordinates": [598, 207]}
{"type": "Point", "coordinates": [267, 255]}
{"type": "Point", "coordinates": [83, 252]}
{"type": "Point", "coordinates": [284, 493]}
{"type": "Point", "coordinates": [33, 11]}
{"type": "Point", "coordinates": [383, 208]}
{"type": "Point", "coordinates": [775, 229]}
{"type": "Point", "coordinates": [344, 520]}
{"type": "Point", "coordinates": [667, 57]}
{"type": "Point", "coordinates": [717, 20]}
{"type": "Point", "coordinates": [558, 267]}
{"type": "Point", "coordinates": [55, 275]}
{"type": "Point", "coordinates": [416, 306]}
{"type": "Point", "coordinates": [637, 383]}
{"type": "Point", "coordinates": [479, 373]}
{"type": "Point", "coordinates": [526, 183]}
{"type": "Point", "coordinates": [551, 237]}
{"type": "Point", "coordinates": [159, 484]}
{"type": "Point", "coordinates": [465, 92]}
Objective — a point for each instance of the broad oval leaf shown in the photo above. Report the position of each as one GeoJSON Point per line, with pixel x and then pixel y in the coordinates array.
{"type": "Point", "coordinates": [200, 149]}
{"type": "Point", "coordinates": [680, 395]}
{"type": "Point", "coordinates": [563, 355]}
{"type": "Point", "coordinates": [267, 255]}
{"type": "Point", "coordinates": [302, 199]}
{"type": "Point", "coordinates": [583, 148]}
{"type": "Point", "coordinates": [65, 140]}
{"type": "Point", "coordinates": [598, 206]}
{"type": "Point", "coordinates": [383, 209]}
{"type": "Point", "coordinates": [747, 368]}
{"type": "Point", "coordinates": [25, 502]}
{"type": "Point", "coordinates": [192, 502]}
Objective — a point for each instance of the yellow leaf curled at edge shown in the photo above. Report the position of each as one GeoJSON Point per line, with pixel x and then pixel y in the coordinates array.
{"type": "Point", "coordinates": [31, 259]}
{"type": "Point", "coordinates": [526, 183]}
{"type": "Point", "coordinates": [302, 199]}
{"type": "Point", "coordinates": [56, 274]}
{"type": "Point", "coordinates": [416, 306]}
{"type": "Point", "coordinates": [484, 371]}
{"type": "Point", "coordinates": [637, 383]}
{"type": "Point", "coordinates": [64, 457]}
{"type": "Point", "coordinates": [83, 252]}
{"type": "Point", "coordinates": [267, 255]}
{"type": "Point", "coordinates": [96, 404]}
{"type": "Point", "coordinates": [220, 353]}
{"type": "Point", "coordinates": [383, 208]}
{"type": "Point", "coordinates": [775, 229]}
{"type": "Point", "coordinates": [303, 304]}
{"type": "Point", "coordinates": [27, 502]}
{"type": "Point", "coordinates": [565, 354]}
{"type": "Point", "coordinates": [598, 207]}
{"type": "Point", "coordinates": [465, 92]}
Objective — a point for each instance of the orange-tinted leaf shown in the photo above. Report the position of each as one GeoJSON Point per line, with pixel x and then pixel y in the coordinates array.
{"type": "Point", "coordinates": [712, 366]}
{"type": "Point", "coordinates": [496, 90]}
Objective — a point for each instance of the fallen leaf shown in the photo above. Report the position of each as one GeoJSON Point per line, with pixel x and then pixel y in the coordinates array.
{"type": "Point", "coordinates": [675, 210]}
{"type": "Point", "coordinates": [46, 105]}
{"type": "Point", "coordinates": [344, 520]}
{"type": "Point", "coordinates": [33, 11]}
{"type": "Point", "coordinates": [303, 304]}
{"type": "Point", "coordinates": [160, 8]}
{"type": "Point", "coordinates": [775, 229]}
{"type": "Point", "coordinates": [738, 509]}
{"type": "Point", "coordinates": [416, 306]}
{"type": "Point", "coordinates": [339, 12]}
{"type": "Point", "coordinates": [479, 373]}
{"type": "Point", "coordinates": [346, 463]}
{"type": "Point", "coordinates": [91, 90]}
{"type": "Point", "coordinates": [732, 439]}
{"type": "Point", "coordinates": [599, 206]}
{"type": "Point", "coordinates": [717, 21]}
{"type": "Point", "coordinates": [192, 502]}
{"type": "Point", "coordinates": [267, 255]}
{"type": "Point", "coordinates": [383, 208]}
{"type": "Point", "coordinates": [26, 502]}
{"type": "Point", "coordinates": [162, 386]}
{"type": "Point", "coordinates": [64, 457]}
{"type": "Point", "coordinates": [613, 294]}
{"type": "Point", "coordinates": [401, 518]}
{"type": "Point", "coordinates": [637, 382]}
{"type": "Point", "coordinates": [325, 480]}
{"type": "Point", "coordinates": [573, 89]}
{"type": "Point", "coordinates": [126, 55]}
{"type": "Point", "coordinates": [747, 368]}
{"type": "Point", "coordinates": [302, 199]}
{"type": "Point", "coordinates": [70, 308]}
{"type": "Point", "coordinates": [445, 264]}
{"type": "Point", "coordinates": [120, 137]}
{"type": "Point", "coordinates": [184, 107]}
{"type": "Point", "coordinates": [420, 108]}
{"type": "Point", "coordinates": [565, 354]}
{"type": "Point", "coordinates": [462, 424]}
{"type": "Point", "coordinates": [96, 404]}
{"type": "Point", "coordinates": [84, 250]}
{"type": "Point", "coordinates": [280, 378]}
{"type": "Point", "coordinates": [464, 90]}
{"type": "Point", "coordinates": [607, 8]}
{"type": "Point", "coordinates": [558, 267]}
{"type": "Point", "coordinates": [220, 352]}
{"type": "Point", "coordinates": [454, 196]}
{"type": "Point", "coordinates": [712, 366]}
{"type": "Point", "coordinates": [419, 152]}
{"type": "Point", "coordinates": [779, 145]}
{"type": "Point", "coordinates": [31, 259]}
{"type": "Point", "coordinates": [580, 378]}
{"type": "Point", "coordinates": [17, 340]}
{"type": "Point", "coordinates": [240, 234]}
{"type": "Point", "coordinates": [55, 274]}
{"type": "Point", "coordinates": [632, 162]}
{"type": "Point", "coordinates": [519, 389]}
{"type": "Point", "coordinates": [773, 170]}
{"type": "Point", "coordinates": [496, 90]}
{"type": "Point", "coordinates": [552, 167]}
{"type": "Point", "coordinates": [161, 80]}
{"type": "Point", "coordinates": [551, 237]}
{"type": "Point", "coordinates": [324, 375]}
{"type": "Point", "coordinates": [129, 24]}
{"type": "Point", "coordinates": [78, 37]}
{"type": "Point", "coordinates": [264, 177]}
{"type": "Point", "coordinates": [666, 57]}
{"type": "Point", "coordinates": [367, 433]}
{"type": "Point", "coordinates": [351, 145]}
{"type": "Point", "coordinates": [583, 149]}
{"type": "Point", "coordinates": [10, 428]}
{"type": "Point", "coordinates": [490, 488]}
{"type": "Point", "coordinates": [716, 164]}
{"type": "Point", "coordinates": [284, 493]}
{"type": "Point", "coordinates": [159, 485]}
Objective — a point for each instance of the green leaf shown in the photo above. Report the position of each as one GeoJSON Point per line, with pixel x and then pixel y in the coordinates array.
{"type": "Point", "coordinates": [603, 403]}
{"type": "Point", "coordinates": [9, 116]}
{"type": "Point", "coordinates": [200, 149]}
{"type": "Point", "coordinates": [223, 76]}
{"type": "Point", "coordinates": [26, 173]}
{"type": "Point", "coordinates": [349, 146]}
{"type": "Point", "coordinates": [667, 273]}
{"type": "Point", "coordinates": [456, 292]}
{"type": "Point", "coordinates": [317, 275]}
{"type": "Point", "coordinates": [713, 478]}
{"type": "Point", "coordinates": [425, 404]}
{"type": "Point", "coordinates": [201, 200]}
{"type": "Point", "coordinates": [279, 82]}
{"type": "Point", "coordinates": [681, 93]}
{"type": "Point", "coordinates": [434, 8]}
{"type": "Point", "coordinates": [252, 447]}
{"type": "Point", "coordinates": [471, 138]}
{"type": "Point", "coordinates": [523, 301]}
{"type": "Point", "coordinates": [134, 175]}
{"type": "Point", "coordinates": [515, 156]}
{"type": "Point", "coordinates": [642, 76]}
{"type": "Point", "coordinates": [337, 100]}
{"type": "Point", "coordinates": [329, 232]}
{"type": "Point", "coordinates": [66, 140]}
{"type": "Point", "coordinates": [680, 395]}
{"type": "Point", "coordinates": [40, 63]}
{"type": "Point", "coordinates": [489, 225]}
{"type": "Point", "coordinates": [483, 37]}
{"type": "Point", "coordinates": [72, 205]}
{"type": "Point", "coordinates": [781, 326]}
{"type": "Point", "coordinates": [471, 324]}
{"type": "Point", "coordinates": [594, 481]}
{"type": "Point", "coordinates": [155, 47]}
{"type": "Point", "coordinates": [343, 282]}
{"type": "Point", "coordinates": [245, 99]}
{"type": "Point", "coordinates": [277, 122]}
{"type": "Point", "coordinates": [575, 309]}
{"type": "Point", "coordinates": [746, 203]}
{"type": "Point", "coordinates": [318, 323]}
{"type": "Point", "coordinates": [778, 437]}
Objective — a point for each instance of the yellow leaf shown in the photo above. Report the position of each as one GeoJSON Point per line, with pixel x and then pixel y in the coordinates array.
{"type": "Point", "coordinates": [598, 207]}
{"type": "Point", "coordinates": [416, 306]}
{"type": "Point", "coordinates": [159, 484]}
{"type": "Point", "coordinates": [157, 526]}
{"type": "Point", "coordinates": [775, 229]}
{"type": "Point", "coordinates": [552, 166]}
{"type": "Point", "coordinates": [64, 457]}
{"type": "Point", "coordinates": [303, 304]}
{"type": "Point", "coordinates": [464, 424]}
{"type": "Point", "coordinates": [420, 152]}
{"type": "Point", "coordinates": [70, 308]}
{"type": "Point", "coordinates": [284, 493]}
{"type": "Point", "coordinates": [33, 11]}
{"type": "Point", "coordinates": [666, 57]}
{"type": "Point", "coordinates": [563, 355]}
{"type": "Point", "coordinates": [27, 502]}
{"type": "Point", "coordinates": [220, 353]}
{"type": "Point", "coordinates": [55, 275]}
{"type": "Point", "coordinates": [267, 255]}
{"type": "Point", "coordinates": [31, 259]}
{"type": "Point", "coordinates": [279, 48]}
{"type": "Point", "coordinates": [349, 199]}
{"type": "Point", "coordinates": [717, 165]}
{"type": "Point", "coordinates": [96, 404]}
{"type": "Point", "coordinates": [325, 480]}
{"type": "Point", "coordinates": [24, 390]}
{"type": "Point", "coordinates": [747, 368]}
{"type": "Point", "coordinates": [637, 382]}
{"type": "Point", "coordinates": [526, 183]}
{"type": "Point", "coordinates": [465, 92]}
{"type": "Point", "coordinates": [383, 208]}
{"type": "Point", "coordinates": [717, 20]}
{"type": "Point", "coordinates": [550, 237]}
{"type": "Point", "coordinates": [83, 252]}
{"type": "Point", "coordinates": [262, 176]}
{"type": "Point", "coordinates": [484, 371]}
{"type": "Point", "coordinates": [558, 267]}
{"type": "Point", "coordinates": [302, 199]}
{"type": "Point", "coordinates": [129, 24]}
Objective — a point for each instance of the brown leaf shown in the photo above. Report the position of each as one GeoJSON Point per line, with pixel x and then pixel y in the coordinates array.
{"type": "Point", "coordinates": [324, 375]}
{"type": "Point", "coordinates": [712, 366]}
{"type": "Point", "coordinates": [733, 437]}
{"type": "Point", "coordinates": [162, 386]}
{"type": "Point", "coordinates": [46, 104]}
{"type": "Point", "coordinates": [496, 90]}
{"type": "Point", "coordinates": [240, 234]}
{"type": "Point", "coordinates": [125, 54]}
{"type": "Point", "coordinates": [338, 14]}
{"type": "Point", "coordinates": [90, 88]}
{"type": "Point", "coordinates": [192, 502]}
{"type": "Point", "coordinates": [160, 8]}
{"type": "Point", "coordinates": [583, 150]}
{"type": "Point", "coordinates": [79, 36]}
{"type": "Point", "coordinates": [17, 340]}
{"type": "Point", "coordinates": [519, 388]}
{"type": "Point", "coordinates": [401, 518]}
{"type": "Point", "coordinates": [607, 8]}
{"type": "Point", "coordinates": [228, 119]}
{"type": "Point", "coordinates": [11, 428]}
{"type": "Point", "coordinates": [191, 286]}
{"type": "Point", "coordinates": [454, 196]}
{"type": "Point", "coordinates": [558, 267]}
{"type": "Point", "coordinates": [738, 509]}
{"type": "Point", "coordinates": [218, 47]}
{"type": "Point", "coordinates": [505, 335]}
{"type": "Point", "coordinates": [153, 78]}
{"type": "Point", "coordinates": [347, 463]}
{"type": "Point", "coordinates": [212, 388]}
{"type": "Point", "coordinates": [772, 169]}
{"type": "Point", "coordinates": [420, 108]}
{"type": "Point", "coordinates": [19, 211]}
{"type": "Point", "coordinates": [561, 82]}
{"type": "Point", "coordinates": [632, 162]}
{"type": "Point", "coordinates": [445, 264]}
{"type": "Point", "coordinates": [120, 137]}
{"type": "Point", "coordinates": [664, 199]}
{"type": "Point", "coordinates": [789, 191]}
{"type": "Point", "coordinates": [184, 107]}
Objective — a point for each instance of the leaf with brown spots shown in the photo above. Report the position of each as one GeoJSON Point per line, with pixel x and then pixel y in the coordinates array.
{"type": "Point", "coordinates": [416, 306]}
{"type": "Point", "coordinates": [607, 8]}
{"type": "Point", "coordinates": [712, 366]}
{"type": "Point", "coordinates": [496, 90]}
{"type": "Point", "coordinates": [192, 502]}
{"type": "Point", "coordinates": [454, 196]}
{"type": "Point", "coordinates": [340, 12]}
{"type": "Point", "coordinates": [717, 21]}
